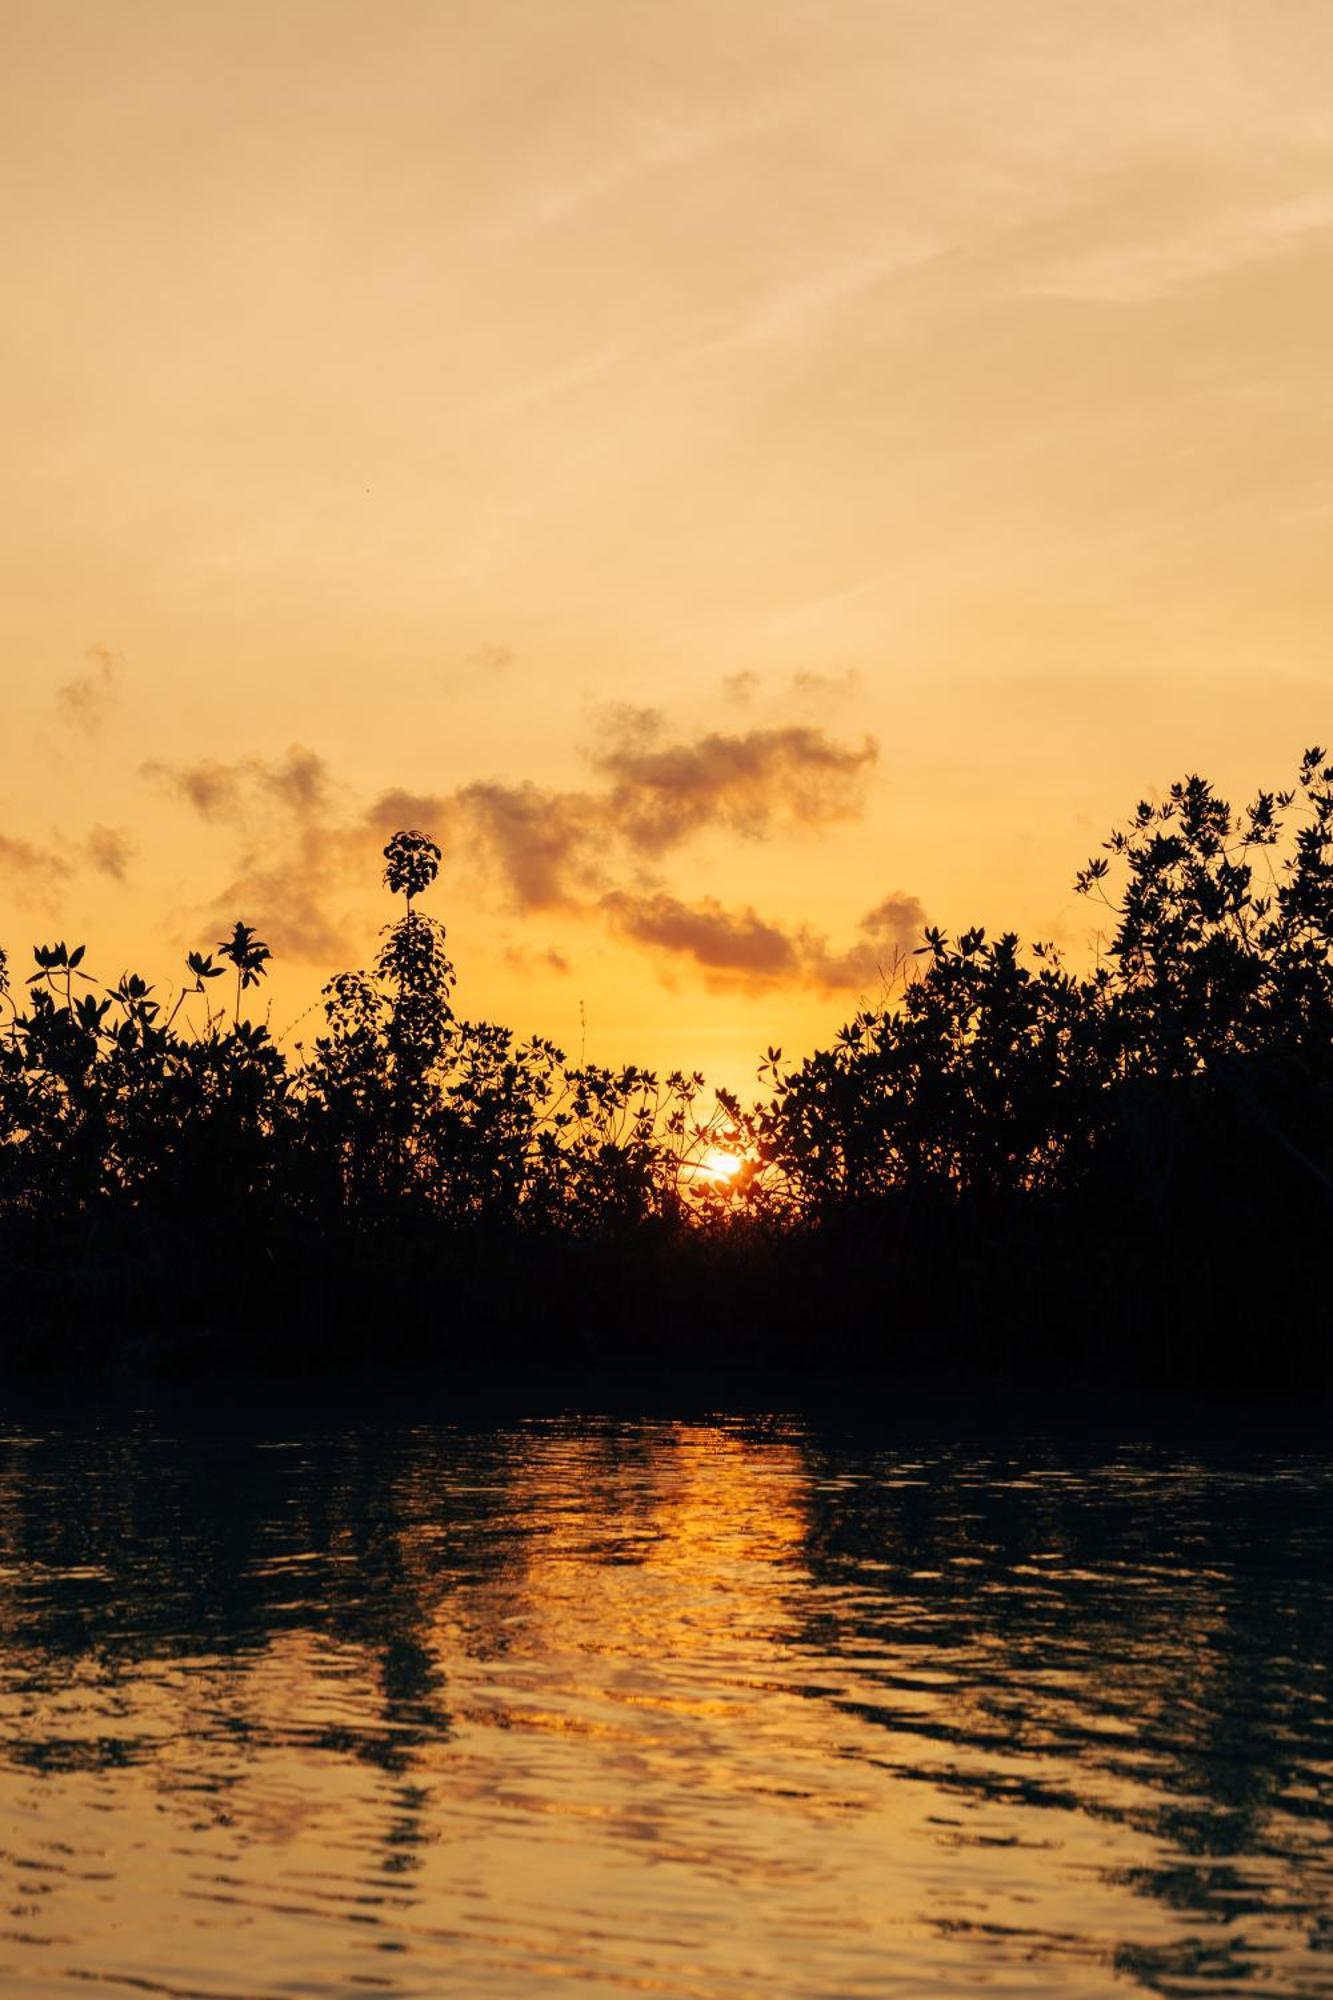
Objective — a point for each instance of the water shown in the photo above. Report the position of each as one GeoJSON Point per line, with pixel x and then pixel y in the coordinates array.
{"type": "Point", "coordinates": [712, 1708]}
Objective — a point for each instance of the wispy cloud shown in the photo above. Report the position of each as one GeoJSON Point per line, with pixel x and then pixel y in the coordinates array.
{"type": "Point", "coordinates": [491, 658]}
{"type": "Point", "coordinates": [641, 148]}
{"type": "Point", "coordinates": [297, 782]}
{"type": "Point", "coordinates": [213, 789]}
{"type": "Point", "coordinates": [87, 699]}
{"type": "Point", "coordinates": [808, 687]}
{"type": "Point", "coordinates": [21, 857]}
{"type": "Point", "coordinates": [549, 959]}
{"type": "Point", "coordinates": [826, 690]}
{"type": "Point", "coordinates": [109, 849]}
{"type": "Point", "coordinates": [292, 867]}
{"type": "Point", "coordinates": [27, 870]}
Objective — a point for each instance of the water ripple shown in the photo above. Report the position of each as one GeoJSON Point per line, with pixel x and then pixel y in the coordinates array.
{"type": "Point", "coordinates": [690, 1709]}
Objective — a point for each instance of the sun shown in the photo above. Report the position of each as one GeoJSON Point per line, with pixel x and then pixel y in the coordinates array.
{"type": "Point", "coordinates": [717, 1165]}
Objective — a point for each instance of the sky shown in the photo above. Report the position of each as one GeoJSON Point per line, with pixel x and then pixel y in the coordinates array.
{"type": "Point", "coordinates": [751, 477]}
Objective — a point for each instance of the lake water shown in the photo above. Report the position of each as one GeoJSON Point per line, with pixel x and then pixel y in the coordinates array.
{"type": "Point", "coordinates": [720, 1707]}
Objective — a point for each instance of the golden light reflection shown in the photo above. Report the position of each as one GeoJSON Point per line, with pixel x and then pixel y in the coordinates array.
{"type": "Point", "coordinates": [648, 1542]}
{"type": "Point", "coordinates": [646, 1706]}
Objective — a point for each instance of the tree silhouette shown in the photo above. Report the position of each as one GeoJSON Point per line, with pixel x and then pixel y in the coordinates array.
{"type": "Point", "coordinates": [1048, 1166]}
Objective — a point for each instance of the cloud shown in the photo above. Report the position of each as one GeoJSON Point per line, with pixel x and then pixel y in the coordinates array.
{"type": "Point", "coordinates": [86, 700]}
{"type": "Point", "coordinates": [30, 875]}
{"type": "Point", "coordinates": [546, 846]}
{"type": "Point", "coordinates": [491, 658]}
{"type": "Point", "coordinates": [298, 783]}
{"type": "Point", "coordinates": [808, 685]}
{"type": "Point", "coordinates": [28, 870]}
{"type": "Point", "coordinates": [756, 783]}
{"type": "Point", "coordinates": [739, 947]}
{"type": "Point", "coordinates": [26, 867]}
{"type": "Point", "coordinates": [822, 690]}
{"type": "Point", "coordinates": [588, 853]}
{"type": "Point", "coordinates": [544, 842]}
{"type": "Point", "coordinates": [287, 900]}
{"type": "Point", "coordinates": [886, 935]}
{"type": "Point", "coordinates": [213, 789]}
{"type": "Point", "coordinates": [559, 849]}
{"type": "Point", "coordinates": [549, 960]}
{"type": "Point", "coordinates": [294, 856]}
{"type": "Point", "coordinates": [110, 850]}
{"type": "Point", "coordinates": [553, 847]}
{"type": "Point", "coordinates": [721, 941]}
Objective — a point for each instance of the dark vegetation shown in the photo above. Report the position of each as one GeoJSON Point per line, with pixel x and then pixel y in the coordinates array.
{"type": "Point", "coordinates": [1006, 1170]}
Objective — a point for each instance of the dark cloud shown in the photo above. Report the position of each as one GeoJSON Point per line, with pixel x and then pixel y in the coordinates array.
{"type": "Point", "coordinates": [86, 700]}
{"type": "Point", "coordinates": [742, 687]}
{"type": "Point", "coordinates": [739, 947]}
{"type": "Point", "coordinates": [760, 782]}
{"type": "Point", "coordinates": [546, 844]}
{"type": "Point", "coordinates": [109, 850]}
{"type": "Point", "coordinates": [733, 942]}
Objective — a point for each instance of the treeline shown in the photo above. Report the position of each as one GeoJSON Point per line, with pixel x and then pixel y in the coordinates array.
{"type": "Point", "coordinates": [1006, 1170]}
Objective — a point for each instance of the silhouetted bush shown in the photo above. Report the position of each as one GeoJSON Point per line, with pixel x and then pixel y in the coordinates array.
{"type": "Point", "coordinates": [1007, 1167]}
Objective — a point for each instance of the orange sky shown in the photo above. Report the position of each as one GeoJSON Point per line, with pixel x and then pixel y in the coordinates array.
{"type": "Point", "coordinates": [736, 467]}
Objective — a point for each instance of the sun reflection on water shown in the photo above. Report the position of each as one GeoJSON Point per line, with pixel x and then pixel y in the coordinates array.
{"type": "Point", "coordinates": [698, 1708]}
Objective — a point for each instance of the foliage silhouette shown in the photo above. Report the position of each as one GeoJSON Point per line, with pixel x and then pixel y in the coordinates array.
{"type": "Point", "coordinates": [1005, 1168]}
